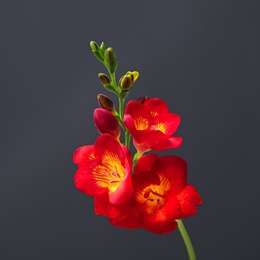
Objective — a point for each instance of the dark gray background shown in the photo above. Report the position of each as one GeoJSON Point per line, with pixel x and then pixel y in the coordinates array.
{"type": "Point", "coordinates": [202, 57]}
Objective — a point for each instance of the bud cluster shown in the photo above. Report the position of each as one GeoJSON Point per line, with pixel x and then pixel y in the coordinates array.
{"type": "Point", "coordinates": [108, 58]}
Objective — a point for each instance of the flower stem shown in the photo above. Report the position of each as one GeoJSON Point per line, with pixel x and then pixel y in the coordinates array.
{"type": "Point", "coordinates": [121, 107]}
{"type": "Point", "coordinates": [121, 114]}
{"type": "Point", "coordinates": [186, 240]}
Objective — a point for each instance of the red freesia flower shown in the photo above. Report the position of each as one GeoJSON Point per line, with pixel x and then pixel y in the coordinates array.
{"type": "Point", "coordinates": [161, 193]}
{"type": "Point", "coordinates": [151, 125]}
{"type": "Point", "coordinates": [106, 122]}
{"type": "Point", "coordinates": [104, 168]}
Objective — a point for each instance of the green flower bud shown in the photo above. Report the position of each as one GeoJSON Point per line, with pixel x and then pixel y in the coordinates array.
{"type": "Point", "coordinates": [95, 49]}
{"type": "Point", "coordinates": [94, 46]}
{"type": "Point", "coordinates": [102, 48]}
{"type": "Point", "coordinates": [110, 59]}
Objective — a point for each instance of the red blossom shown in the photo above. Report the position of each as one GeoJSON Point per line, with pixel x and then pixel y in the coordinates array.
{"type": "Point", "coordinates": [151, 125]}
{"type": "Point", "coordinates": [161, 194]}
{"type": "Point", "coordinates": [104, 168]}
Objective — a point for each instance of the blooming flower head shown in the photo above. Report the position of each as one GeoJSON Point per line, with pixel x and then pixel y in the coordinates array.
{"type": "Point", "coordinates": [156, 196]}
{"type": "Point", "coordinates": [151, 125]}
{"type": "Point", "coordinates": [162, 193]}
{"type": "Point", "coordinates": [104, 168]}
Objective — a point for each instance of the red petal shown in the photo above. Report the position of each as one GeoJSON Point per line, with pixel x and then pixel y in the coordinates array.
{"type": "Point", "coordinates": [84, 181]}
{"type": "Point", "coordinates": [143, 180]}
{"type": "Point", "coordinates": [188, 199]}
{"type": "Point", "coordinates": [167, 143]}
{"type": "Point", "coordinates": [144, 163]}
{"type": "Point", "coordinates": [108, 144]}
{"type": "Point", "coordinates": [125, 216]}
{"type": "Point", "coordinates": [102, 204]}
{"type": "Point", "coordinates": [169, 123]}
{"type": "Point", "coordinates": [83, 154]}
{"type": "Point", "coordinates": [123, 192]}
{"type": "Point", "coordinates": [129, 123]}
{"type": "Point", "coordinates": [174, 169]}
{"type": "Point", "coordinates": [162, 219]}
{"type": "Point", "coordinates": [136, 109]}
{"type": "Point", "coordinates": [156, 106]}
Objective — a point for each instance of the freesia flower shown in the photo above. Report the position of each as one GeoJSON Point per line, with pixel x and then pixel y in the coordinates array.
{"type": "Point", "coordinates": [161, 193]}
{"type": "Point", "coordinates": [104, 168]}
{"type": "Point", "coordinates": [106, 122]}
{"type": "Point", "coordinates": [151, 125]}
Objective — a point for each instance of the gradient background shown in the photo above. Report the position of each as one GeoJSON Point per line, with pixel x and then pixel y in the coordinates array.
{"type": "Point", "coordinates": [202, 57]}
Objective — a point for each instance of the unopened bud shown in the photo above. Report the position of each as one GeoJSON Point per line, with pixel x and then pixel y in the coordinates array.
{"type": "Point", "coordinates": [134, 75]}
{"type": "Point", "coordinates": [95, 49]}
{"type": "Point", "coordinates": [142, 99]}
{"type": "Point", "coordinates": [110, 59]}
{"type": "Point", "coordinates": [94, 46]}
{"type": "Point", "coordinates": [105, 80]}
{"type": "Point", "coordinates": [105, 102]}
{"type": "Point", "coordinates": [125, 83]}
{"type": "Point", "coordinates": [106, 122]}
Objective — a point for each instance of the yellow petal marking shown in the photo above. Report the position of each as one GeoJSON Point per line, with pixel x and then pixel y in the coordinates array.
{"type": "Point", "coordinates": [141, 123]}
{"type": "Point", "coordinates": [154, 195]}
{"type": "Point", "coordinates": [110, 173]}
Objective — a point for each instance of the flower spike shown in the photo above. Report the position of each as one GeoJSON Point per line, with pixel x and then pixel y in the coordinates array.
{"type": "Point", "coordinates": [143, 191]}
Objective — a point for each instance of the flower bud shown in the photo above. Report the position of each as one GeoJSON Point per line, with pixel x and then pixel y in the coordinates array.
{"type": "Point", "coordinates": [142, 99]}
{"type": "Point", "coordinates": [105, 102]}
{"type": "Point", "coordinates": [134, 75]}
{"type": "Point", "coordinates": [110, 59]}
{"type": "Point", "coordinates": [104, 79]}
{"type": "Point", "coordinates": [95, 49]}
{"type": "Point", "coordinates": [106, 122]}
{"type": "Point", "coordinates": [94, 46]}
{"type": "Point", "coordinates": [125, 83]}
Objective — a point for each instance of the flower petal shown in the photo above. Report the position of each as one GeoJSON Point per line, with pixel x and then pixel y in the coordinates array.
{"type": "Point", "coordinates": [167, 123]}
{"type": "Point", "coordinates": [188, 199]}
{"type": "Point", "coordinates": [102, 204]}
{"type": "Point", "coordinates": [156, 106]}
{"type": "Point", "coordinates": [107, 144]}
{"type": "Point", "coordinates": [123, 192]}
{"type": "Point", "coordinates": [83, 154]}
{"type": "Point", "coordinates": [145, 163]}
{"type": "Point", "coordinates": [125, 216]}
{"type": "Point", "coordinates": [162, 219]}
{"type": "Point", "coordinates": [174, 169]}
{"type": "Point", "coordinates": [85, 181]}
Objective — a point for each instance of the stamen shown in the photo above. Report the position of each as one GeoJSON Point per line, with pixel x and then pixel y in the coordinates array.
{"type": "Point", "coordinates": [112, 181]}
{"type": "Point", "coordinates": [157, 194]}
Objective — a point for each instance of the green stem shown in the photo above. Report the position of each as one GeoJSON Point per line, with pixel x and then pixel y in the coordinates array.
{"type": "Point", "coordinates": [121, 114]}
{"type": "Point", "coordinates": [186, 240]}
{"type": "Point", "coordinates": [113, 80]}
{"type": "Point", "coordinates": [127, 138]}
{"type": "Point", "coordinates": [121, 107]}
